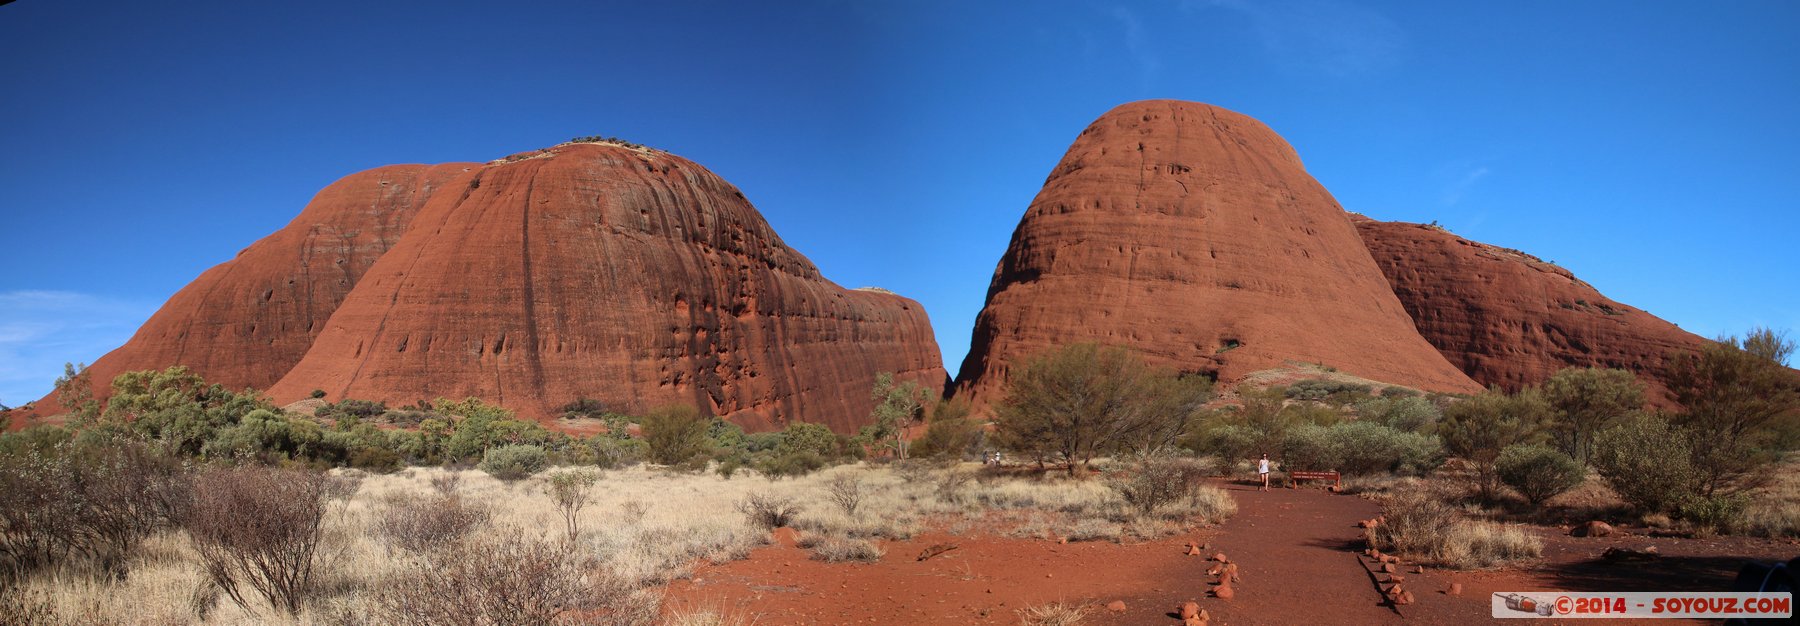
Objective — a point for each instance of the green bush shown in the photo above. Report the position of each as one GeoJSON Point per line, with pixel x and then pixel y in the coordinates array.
{"type": "Point", "coordinates": [814, 439]}
{"type": "Point", "coordinates": [1358, 447]}
{"type": "Point", "coordinates": [1538, 472]}
{"type": "Point", "coordinates": [676, 433]}
{"type": "Point", "coordinates": [1321, 390]}
{"type": "Point", "coordinates": [1404, 413]}
{"type": "Point", "coordinates": [791, 464]}
{"type": "Point", "coordinates": [514, 462]}
{"type": "Point", "coordinates": [1158, 483]}
{"type": "Point", "coordinates": [1717, 512]}
{"type": "Point", "coordinates": [1648, 463]}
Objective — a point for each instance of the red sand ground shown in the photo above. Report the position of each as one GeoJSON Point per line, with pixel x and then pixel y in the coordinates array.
{"type": "Point", "coordinates": [1297, 551]}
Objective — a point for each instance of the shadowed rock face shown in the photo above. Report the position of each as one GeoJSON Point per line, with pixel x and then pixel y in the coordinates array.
{"type": "Point", "coordinates": [1194, 236]}
{"type": "Point", "coordinates": [631, 276]}
{"type": "Point", "coordinates": [246, 322]}
{"type": "Point", "coordinates": [1508, 318]}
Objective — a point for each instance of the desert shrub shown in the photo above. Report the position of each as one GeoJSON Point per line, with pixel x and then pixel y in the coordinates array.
{"type": "Point", "coordinates": [1403, 413]}
{"type": "Point", "coordinates": [842, 549]}
{"type": "Point", "coordinates": [91, 504]}
{"type": "Point", "coordinates": [1714, 513]}
{"type": "Point", "coordinates": [1358, 448]}
{"type": "Point", "coordinates": [571, 490]}
{"type": "Point", "coordinates": [424, 523]}
{"type": "Point", "coordinates": [514, 462]}
{"type": "Point", "coordinates": [259, 528]}
{"type": "Point", "coordinates": [1586, 400]}
{"type": "Point", "coordinates": [1322, 390]}
{"type": "Point", "coordinates": [1474, 545]}
{"type": "Point", "coordinates": [676, 433]}
{"type": "Point", "coordinates": [846, 491]}
{"type": "Point", "coordinates": [1538, 472]}
{"type": "Point", "coordinates": [582, 408]}
{"type": "Point", "coordinates": [1415, 524]}
{"type": "Point", "coordinates": [1741, 405]}
{"type": "Point", "coordinates": [1365, 448]}
{"type": "Point", "coordinates": [613, 452]}
{"type": "Point", "coordinates": [1425, 525]}
{"type": "Point", "coordinates": [790, 464]}
{"type": "Point", "coordinates": [1211, 504]}
{"type": "Point", "coordinates": [768, 511]}
{"type": "Point", "coordinates": [1776, 519]}
{"type": "Point", "coordinates": [1158, 483]}
{"type": "Point", "coordinates": [1647, 462]}
{"type": "Point", "coordinates": [508, 579]}
{"type": "Point", "coordinates": [351, 409]}
{"type": "Point", "coordinates": [40, 439]}
{"type": "Point", "coordinates": [316, 394]}
{"type": "Point", "coordinates": [1478, 428]}
{"type": "Point", "coordinates": [950, 433]}
{"type": "Point", "coordinates": [802, 437]}
{"type": "Point", "coordinates": [1054, 614]}
{"type": "Point", "coordinates": [375, 459]}
{"type": "Point", "coordinates": [1227, 441]}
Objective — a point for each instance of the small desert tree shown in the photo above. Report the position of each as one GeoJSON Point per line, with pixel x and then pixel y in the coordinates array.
{"type": "Point", "coordinates": [897, 407]}
{"type": "Point", "coordinates": [1736, 400]}
{"type": "Point", "coordinates": [571, 491]}
{"type": "Point", "coordinates": [75, 391]}
{"type": "Point", "coordinates": [950, 432]}
{"type": "Point", "coordinates": [1479, 428]}
{"type": "Point", "coordinates": [1646, 460]}
{"type": "Point", "coordinates": [1584, 401]}
{"type": "Point", "coordinates": [1538, 472]}
{"type": "Point", "coordinates": [676, 433]}
{"type": "Point", "coordinates": [1083, 400]}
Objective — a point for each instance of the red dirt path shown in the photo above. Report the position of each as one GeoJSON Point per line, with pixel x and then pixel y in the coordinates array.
{"type": "Point", "coordinates": [1297, 550]}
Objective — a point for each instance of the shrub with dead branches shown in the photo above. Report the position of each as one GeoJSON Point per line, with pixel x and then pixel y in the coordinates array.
{"type": "Point", "coordinates": [509, 579]}
{"type": "Point", "coordinates": [260, 528]}
{"type": "Point", "coordinates": [424, 523]}
{"type": "Point", "coordinates": [768, 511]}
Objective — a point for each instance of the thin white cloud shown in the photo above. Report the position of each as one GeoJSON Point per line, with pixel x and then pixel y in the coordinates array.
{"type": "Point", "coordinates": [1137, 44]}
{"type": "Point", "coordinates": [1455, 191]}
{"type": "Point", "coordinates": [1334, 37]}
{"type": "Point", "coordinates": [42, 330]}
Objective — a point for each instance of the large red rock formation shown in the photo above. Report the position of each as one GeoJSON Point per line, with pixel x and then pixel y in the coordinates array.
{"type": "Point", "coordinates": [624, 274]}
{"type": "Point", "coordinates": [246, 321]}
{"type": "Point", "coordinates": [1194, 236]}
{"type": "Point", "coordinates": [1508, 318]}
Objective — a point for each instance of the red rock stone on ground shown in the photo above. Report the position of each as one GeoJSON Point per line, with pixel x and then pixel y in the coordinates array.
{"type": "Point", "coordinates": [1194, 236]}
{"type": "Point", "coordinates": [1593, 528]}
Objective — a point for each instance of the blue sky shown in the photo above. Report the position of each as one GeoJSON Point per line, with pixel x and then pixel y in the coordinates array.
{"type": "Point", "coordinates": [1649, 147]}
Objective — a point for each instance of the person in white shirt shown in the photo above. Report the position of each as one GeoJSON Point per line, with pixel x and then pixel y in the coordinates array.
{"type": "Point", "coordinates": [1262, 470]}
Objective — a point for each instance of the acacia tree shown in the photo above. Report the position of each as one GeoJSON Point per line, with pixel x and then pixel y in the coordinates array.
{"type": "Point", "coordinates": [1081, 401]}
{"type": "Point", "coordinates": [1479, 428]}
{"type": "Point", "coordinates": [897, 407]}
{"type": "Point", "coordinates": [1585, 401]}
{"type": "Point", "coordinates": [1735, 398]}
{"type": "Point", "coordinates": [75, 392]}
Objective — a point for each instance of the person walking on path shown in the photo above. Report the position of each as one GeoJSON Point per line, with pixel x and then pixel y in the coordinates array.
{"type": "Point", "coordinates": [1262, 470]}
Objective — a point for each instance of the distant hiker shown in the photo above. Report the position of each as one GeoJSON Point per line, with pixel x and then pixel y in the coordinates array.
{"type": "Point", "coordinates": [1262, 470]}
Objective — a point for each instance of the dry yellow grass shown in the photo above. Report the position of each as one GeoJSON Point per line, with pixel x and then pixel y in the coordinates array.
{"type": "Point", "coordinates": [645, 526]}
